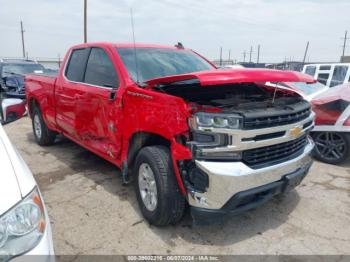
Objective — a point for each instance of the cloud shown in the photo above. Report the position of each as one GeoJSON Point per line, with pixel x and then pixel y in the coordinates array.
{"type": "Point", "coordinates": [281, 27]}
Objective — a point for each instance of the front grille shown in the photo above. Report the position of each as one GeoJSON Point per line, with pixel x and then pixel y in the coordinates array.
{"type": "Point", "coordinates": [270, 121]}
{"type": "Point", "coordinates": [270, 155]}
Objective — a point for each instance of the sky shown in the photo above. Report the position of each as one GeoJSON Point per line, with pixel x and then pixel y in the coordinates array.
{"type": "Point", "coordinates": [281, 27]}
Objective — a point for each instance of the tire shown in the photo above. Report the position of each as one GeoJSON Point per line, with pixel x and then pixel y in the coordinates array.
{"type": "Point", "coordinates": [170, 203]}
{"type": "Point", "coordinates": [43, 135]}
{"type": "Point", "coordinates": [331, 147]}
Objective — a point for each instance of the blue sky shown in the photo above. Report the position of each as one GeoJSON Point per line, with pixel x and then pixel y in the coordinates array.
{"type": "Point", "coordinates": [281, 27]}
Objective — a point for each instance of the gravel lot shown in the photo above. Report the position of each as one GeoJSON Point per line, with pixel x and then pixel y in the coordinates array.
{"type": "Point", "coordinates": [92, 213]}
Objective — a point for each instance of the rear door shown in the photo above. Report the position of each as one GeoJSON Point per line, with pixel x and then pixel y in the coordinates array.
{"type": "Point", "coordinates": [69, 89]}
{"type": "Point", "coordinates": [98, 108]}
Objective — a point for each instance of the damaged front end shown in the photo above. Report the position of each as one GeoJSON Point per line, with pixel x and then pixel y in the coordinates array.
{"type": "Point", "coordinates": [248, 142]}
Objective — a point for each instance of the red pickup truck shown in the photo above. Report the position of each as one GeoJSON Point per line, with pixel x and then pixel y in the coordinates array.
{"type": "Point", "coordinates": [180, 129]}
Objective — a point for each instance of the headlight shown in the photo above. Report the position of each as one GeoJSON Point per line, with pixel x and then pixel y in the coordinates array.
{"type": "Point", "coordinates": [23, 226]}
{"type": "Point", "coordinates": [215, 120]}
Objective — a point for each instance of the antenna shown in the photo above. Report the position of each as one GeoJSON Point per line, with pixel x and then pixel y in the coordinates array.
{"type": "Point", "coordinates": [135, 53]}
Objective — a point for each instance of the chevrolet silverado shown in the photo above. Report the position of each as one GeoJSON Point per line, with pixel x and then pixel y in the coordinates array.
{"type": "Point", "coordinates": [182, 130]}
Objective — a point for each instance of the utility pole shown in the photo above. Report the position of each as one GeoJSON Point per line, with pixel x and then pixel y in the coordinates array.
{"type": "Point", "coordinates": [344, 45]}
{"type": "Point", "coordinates": [257, 60]}
{"type": "Point", "coordinates": [23, 48]}
{"type": "Point", "coordinates": [85, 21]}
{"type": "Point", "coordinates": [244, 55]}
{"type": "Point", "coordinates": [250, 54]}
{"type": "Point", "coordinates": [229, 55]}
{"type": "Point", "coordinates": [221, 56]}
{"type": "Point", "coordinates": [305, 54]}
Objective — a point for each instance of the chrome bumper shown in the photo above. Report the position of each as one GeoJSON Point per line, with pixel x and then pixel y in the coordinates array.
{"type": "Point", "coordinates": [228, 178]}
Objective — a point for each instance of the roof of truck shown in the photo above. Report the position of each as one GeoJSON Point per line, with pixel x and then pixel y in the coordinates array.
{"type": "Point", "coordinates": [125, 45]}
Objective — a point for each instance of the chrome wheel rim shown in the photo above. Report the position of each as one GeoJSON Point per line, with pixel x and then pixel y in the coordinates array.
{"type": "Point", "coordinates": [37, 126]}
{"type": "Point", "coordinates": [330, 146]}
{"type": "Point", "coordinates": [147, 187]}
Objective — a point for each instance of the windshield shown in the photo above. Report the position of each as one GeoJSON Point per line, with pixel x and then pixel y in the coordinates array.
{"type": "Point", "coordinates": [308, 89]}
{"type": "Point", "coordinates": [20, 69]}
{"type": "Point", "coordinates": [160, 62]}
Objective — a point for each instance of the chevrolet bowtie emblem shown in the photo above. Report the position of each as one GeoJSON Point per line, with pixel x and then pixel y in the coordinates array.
{"type": "Point", "coordinates": [296, 131]}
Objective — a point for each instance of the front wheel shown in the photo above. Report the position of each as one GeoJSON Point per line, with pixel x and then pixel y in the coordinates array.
{"type": "Point", "coordinates": [157, 191]}
{"type": "Point", "coordinates": [43, 135]}
{"type": "Point", "coordinates": [331, 147]}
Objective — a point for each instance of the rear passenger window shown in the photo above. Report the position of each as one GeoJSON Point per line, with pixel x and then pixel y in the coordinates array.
{"type": "Point", "coordinates": [339, 75]}
{"type": "Point", "coordinates": [100, 70]}
{"type": "Point", "coordinates": [323, 78]}
{"type": "Point", "coordinates": [76, 65]}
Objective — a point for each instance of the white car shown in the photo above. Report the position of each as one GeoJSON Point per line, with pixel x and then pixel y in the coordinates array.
{"type": "Point", "coordinates": [24, 223]}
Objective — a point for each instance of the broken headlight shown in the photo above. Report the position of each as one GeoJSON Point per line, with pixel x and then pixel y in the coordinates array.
{"type": "Point", "coordinates": [204, 120]}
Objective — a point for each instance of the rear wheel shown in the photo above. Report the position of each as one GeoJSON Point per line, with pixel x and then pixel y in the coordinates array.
{"type": "Point", "coordinates": [157, 191]}
{"type": "Point", "coordinates": [331, 147]}
{"type": "Point", "coordinates": [42, 134]}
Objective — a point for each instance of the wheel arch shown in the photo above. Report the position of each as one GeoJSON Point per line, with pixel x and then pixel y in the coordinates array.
{"type": "Point", "coordinates": [32, 104]}
{"type": "Point", "coordinates": [142, 139]}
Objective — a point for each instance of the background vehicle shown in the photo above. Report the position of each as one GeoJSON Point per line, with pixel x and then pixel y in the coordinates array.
{"type": "Point", "coordinates": [332, 130]}
{"type": "Point", "coordinates": [24, 223]}
{"type": "Point", "coordinates": [329, 74]}
{"type": "Point", "coordinates": [12, 74]}
{"type": "Point", "coordinates": [177, 126]}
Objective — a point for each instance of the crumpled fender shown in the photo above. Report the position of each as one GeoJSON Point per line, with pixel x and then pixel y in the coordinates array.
{"type": "Point", "coordinates": [179, 152]}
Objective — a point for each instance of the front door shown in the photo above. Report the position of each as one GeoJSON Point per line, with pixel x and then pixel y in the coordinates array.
{"type": "Point", "coordinates": [97, 109]}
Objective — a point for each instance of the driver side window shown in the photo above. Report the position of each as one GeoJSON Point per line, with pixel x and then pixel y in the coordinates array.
{"type": "Point", "coordinates": [100, 70]}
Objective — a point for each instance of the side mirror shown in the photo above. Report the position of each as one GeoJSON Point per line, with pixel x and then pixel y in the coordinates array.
{"type": "Point", "coordinates": [11, 109]}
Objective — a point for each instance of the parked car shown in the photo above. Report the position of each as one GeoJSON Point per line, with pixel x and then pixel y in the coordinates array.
{"type": "Point", "coordinates": [12, 74]}
{"type": "Point", "coordinates": [332, 130]}
{"type": "Point", "coordinates": [24, 223]}
{"type": "Point", "coordinates": [11, 109]}
{"type": "Point", "coordinates": [179, 128]}
{"type": "Point", "coordinates": [329, 74]}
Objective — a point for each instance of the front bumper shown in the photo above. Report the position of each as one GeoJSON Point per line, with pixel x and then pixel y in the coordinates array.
{"type": "Point", "coordinates": [249, 199]}
{"type": "Point", "coordinates": [226, 179]}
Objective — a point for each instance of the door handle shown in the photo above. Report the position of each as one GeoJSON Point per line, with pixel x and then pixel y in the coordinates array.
{"type": "Point", "coordinates": [113, 95]}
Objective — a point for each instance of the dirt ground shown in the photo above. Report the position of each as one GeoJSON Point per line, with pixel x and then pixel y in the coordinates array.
{"type": "Point", "coordinates": [92, 213]}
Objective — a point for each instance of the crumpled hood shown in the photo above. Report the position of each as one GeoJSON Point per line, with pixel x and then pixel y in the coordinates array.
{"type": "Point", "coordinates": [220, 77]}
